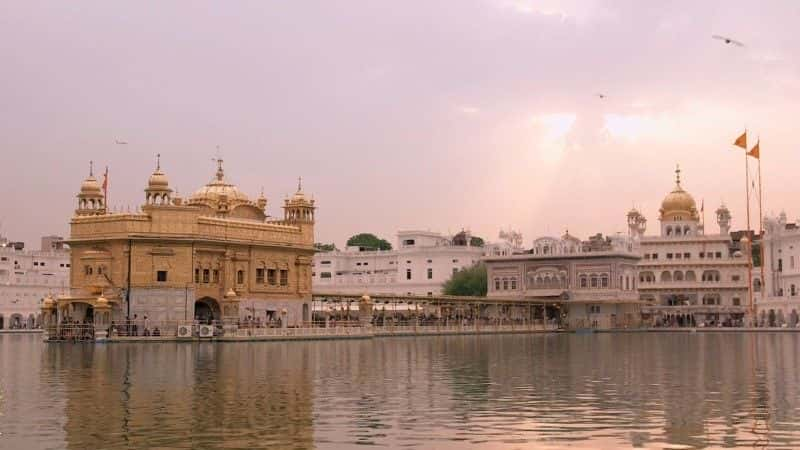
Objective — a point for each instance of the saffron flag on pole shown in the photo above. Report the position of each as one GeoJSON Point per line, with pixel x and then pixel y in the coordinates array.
{"type": "Point", "coordinates": [755, 152]}
{"type": "Point", "coordinates": [105, 182]}
{"type": "Point", "coordinates": [741, 141]}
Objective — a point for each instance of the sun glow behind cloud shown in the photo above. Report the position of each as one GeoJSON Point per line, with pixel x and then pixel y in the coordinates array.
{"type": "Point", "coordinates": [634, 127]}
{"type": "Point", "coordinates": [553, 131]}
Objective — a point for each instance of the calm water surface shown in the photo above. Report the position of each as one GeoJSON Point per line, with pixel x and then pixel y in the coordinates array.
{"type": "Point", "coordinates": [514, 391]}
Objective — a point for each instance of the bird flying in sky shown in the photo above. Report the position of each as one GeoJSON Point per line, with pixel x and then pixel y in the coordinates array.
{"type": "Point", "coordinates": [601, 96]}
{"type": "Point", "coordinates": [728, 40]}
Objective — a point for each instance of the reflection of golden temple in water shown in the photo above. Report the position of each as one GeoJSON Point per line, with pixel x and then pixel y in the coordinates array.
{"type": "Point", "coordinates": [205, 393]}
{"type": "Point", "coordinates": [650, 390]}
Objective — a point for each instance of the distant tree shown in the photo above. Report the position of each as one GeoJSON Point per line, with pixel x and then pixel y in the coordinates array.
{"type": "Point", "coordinates": [470, 281]}
{"type": "Point", "coordinates": [756, 254]}
{"type": "Point", "coordinates": [370, 241]}
{"type": "Point", "coordinates": [475, 241]}
{"type": "Point", "coordinates": [319, 246]}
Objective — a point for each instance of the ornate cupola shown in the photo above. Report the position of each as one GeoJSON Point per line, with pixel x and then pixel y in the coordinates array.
{"type": "Point", "coordinates": [637, 224]}
{"type": "Point", "coordinates": [261, 202]}
{"type": "Point", "coordinates": [679, 214]}
{"type": "Point", "coordinates": [678, 205]}
{"type": "Point", "coordinates": [91, 200]}
{"type": "Point", "coordinates": [298, 208]}
{"type": "Point", "coordinates": [158, 192]}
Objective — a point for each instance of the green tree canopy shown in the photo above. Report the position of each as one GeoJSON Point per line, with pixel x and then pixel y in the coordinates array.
{"type": "Point", "coordinates": [470, 282]}
{"type": "Point", "coordinates": [370, 241]}
{"type": "Point", "coordinates": [319, 246]}
{"type": "Point", "coordinates": [475, 241]}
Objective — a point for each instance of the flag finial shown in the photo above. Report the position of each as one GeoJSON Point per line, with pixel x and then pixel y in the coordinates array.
{"type": "Point", "coordinates": [678, 175]}
{"type": "Point", "coordinates": [158, 161]}
{"type": "Point", "coordinates": [299, 184]}
{"type": "Point", "coordinates": [91, 168]}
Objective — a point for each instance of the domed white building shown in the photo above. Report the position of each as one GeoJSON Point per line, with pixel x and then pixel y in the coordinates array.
{"type": "Point", "coordinates": [689, 277]}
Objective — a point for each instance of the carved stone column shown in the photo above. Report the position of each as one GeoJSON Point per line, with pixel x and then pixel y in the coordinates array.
{"type": "Point", "coordinates": [365, 311]}
{"type": "Point", "coordinates": [230, 311]}
{"type": "Point", "coordinates": [102, 319]}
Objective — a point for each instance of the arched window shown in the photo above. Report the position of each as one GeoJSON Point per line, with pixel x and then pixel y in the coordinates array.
{"type": "Point", "coordinates": [677, 276]}
{"type": "Point", "coordinates": [514, 283]}
{"type": "Point", "coordinates": [793, 290]}
{"type": "Point", "coordinates": [757, 285]}
{"type": "Point", "coordinates": [666, 276]}
{"type": "Point", "coordinates": [505, 284]}
{"type": "Point", "coordinates": [627, 283]}
{"type": "Point", "coordinates": [686, 230]}
{"type": "Point", "coordinates": [690, 276]}
{"type": "Point", "coordinates": [669, 231]}
{"type": "Point", "coordinates": [604, 281]}
{"type": "Point", "coordinates": [240, 277]}
{"type": "Point", "coordinates": [497, 284]}
{"type": "Point", "coordinates": [584, 282]}
{"type": "Point", "coordinates": [594, 281]}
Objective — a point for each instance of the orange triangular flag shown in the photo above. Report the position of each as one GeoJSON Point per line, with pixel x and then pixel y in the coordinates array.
{"type": "Point", "coordinates": [755, 152]}
{"type": "Point", "coordinates": [741, 141]}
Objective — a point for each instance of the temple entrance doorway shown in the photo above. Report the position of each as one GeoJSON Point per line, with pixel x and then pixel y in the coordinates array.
{"type": "Point", "coordinates": [206, 310]}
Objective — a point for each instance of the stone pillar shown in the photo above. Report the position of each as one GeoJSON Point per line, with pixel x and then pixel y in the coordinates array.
{"type": "Point", "coordinates": [230, 311]}
{"type": "Point", "coordinates": [365, 311]}
{"type": "Point", "coordinates": [284, 318]}
{"type": "Point", "coordinates": [102, 319]}
{"type": "Point", "coordinates": [49, 320]}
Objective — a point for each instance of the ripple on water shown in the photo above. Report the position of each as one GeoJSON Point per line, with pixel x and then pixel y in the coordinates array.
{"type": "Point", "coordinates": [516, 391]}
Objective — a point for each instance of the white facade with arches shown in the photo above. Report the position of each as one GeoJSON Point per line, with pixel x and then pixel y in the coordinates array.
{"type": "Point", "coordinates": [779, 296]}
{"type": "Point", "coordinates": [593, 281]}
{"type": "Point", "coordinates": [689, 277]}
{"type": "Point", "coordinates": [26, 278]}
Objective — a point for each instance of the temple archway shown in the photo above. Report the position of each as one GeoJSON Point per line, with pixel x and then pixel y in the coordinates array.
{"type": "Point", "coordinates": [206, 310]}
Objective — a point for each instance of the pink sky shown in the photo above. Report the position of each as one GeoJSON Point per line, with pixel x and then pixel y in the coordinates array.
{"type": "Point", "coordinates": [426, 115]}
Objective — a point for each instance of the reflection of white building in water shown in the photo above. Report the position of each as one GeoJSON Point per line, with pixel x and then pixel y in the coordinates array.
{"type": "Point", "coordinates": [594, 281]}
{"type": "Point", "coordinates": [26, 277]}
{"type": "Point", "coordinates": [779, 300]}
{"type": "Point", "coordinates": [688, 276]}
{"type": "Point", "coordinates": [419, 265]}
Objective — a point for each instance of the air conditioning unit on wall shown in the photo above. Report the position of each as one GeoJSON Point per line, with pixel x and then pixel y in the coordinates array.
{"type": "Point", "coordinates": [206, 331]}
{"type": "Point", "coordinates": [184, 331]}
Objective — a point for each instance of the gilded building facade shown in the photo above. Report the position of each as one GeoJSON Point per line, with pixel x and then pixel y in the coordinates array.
{"type": "Point", "coordinates": [212, 256]}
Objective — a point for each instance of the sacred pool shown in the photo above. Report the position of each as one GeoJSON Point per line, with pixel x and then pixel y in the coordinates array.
{"type": "Point", "coordinates": [600, 390]}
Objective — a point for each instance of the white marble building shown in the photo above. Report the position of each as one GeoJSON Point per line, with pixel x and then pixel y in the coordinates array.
{"type": "Point", "coordinates": [689, 277]}
{"type": "Point", "coordinates": [420, 263]}
{"type": "Point", "coordinates": [27, 277]}
{"type": "Point", "coordinates": [778, 300]}
{"type": "Point", "coordinates": [582, 284]}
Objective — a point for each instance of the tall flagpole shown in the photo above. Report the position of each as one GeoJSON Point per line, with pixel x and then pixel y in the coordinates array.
{"type": "Point", "coordinates": [760, 220]}
{"type": "Point", "coordinates": [741, 142]}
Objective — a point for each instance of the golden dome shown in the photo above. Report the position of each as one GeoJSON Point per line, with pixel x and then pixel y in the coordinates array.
{"type": "Point", "coordinates": [48, 302]}
{"type": "Point", "coordinates": [211, 193]}
{"type": "Point", "coordinates": [678, 204]}
{"type": "Point", "coordinates": [158, 180]}
{"type": "Point", "coordinates": [101, 301]}
{"type": "Point", "coordinates": [299, 196]}
{"type": "Point", "coordinates": [90, 186]}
